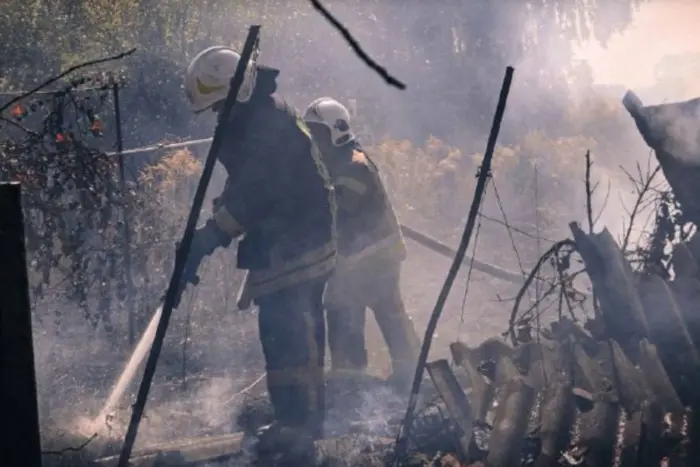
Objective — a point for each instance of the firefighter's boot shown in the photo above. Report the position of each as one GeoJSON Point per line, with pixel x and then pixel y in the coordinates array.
{"type": "Point", "coordinates": [284, 446]}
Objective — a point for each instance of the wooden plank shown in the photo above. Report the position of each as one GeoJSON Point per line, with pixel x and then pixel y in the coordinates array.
{"type": "Point", "coordinates": [631, 385]}
{"type": "Point", "coordinates": [20, 443]}
{"type": "Point", "coordinates": [510, 424]}
{"type": "Point", "coordinates": [201, 451]}
{"type": "Point", "coordinates": [629, 453]}
{"type": "Point", "coordinates": [557, 416]}
{"type": "Point", "coordinates": [599, 426]}
{"type": "Point", "coordinates": [182, 452]}
{"type": "Point", "coordinates": [657, 378]}
{"type": "Point", "coordinates": [650, 443]}
{"type": "Point", "coordinates": [557, 412]}
{"type": "Point", "coordinates": [694, 431]}
{"type": "Point", "coordinates": [686, 291]}
{"type": "Point", "coordinates": [669, 129]}
{"type": "Point", "coordinates": [482, 391]}
{"type": "Point", "coordinates": [668, 331]}
{"type": "Point", "coordinates": [455, 400]}
{"type": "Point", "coordinates": [613, 282]}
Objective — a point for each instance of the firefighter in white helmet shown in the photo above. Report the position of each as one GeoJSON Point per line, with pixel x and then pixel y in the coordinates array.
{"type": "Point", "coordinates": [370, 251]}
{"type": "Point", "coordinates": [279, 198]}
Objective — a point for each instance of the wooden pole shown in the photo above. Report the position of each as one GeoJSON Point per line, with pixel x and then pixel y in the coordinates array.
{"type": "Point", "coordinates": [126, 230]}
{"type": "Point", "coordinates": [483, 176]}
{"type": "Point", "coordinates": [20, 443]}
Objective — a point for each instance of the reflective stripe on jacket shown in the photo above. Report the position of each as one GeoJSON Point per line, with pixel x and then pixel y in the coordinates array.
{"type": "Point", "coordinates": [367, 224]}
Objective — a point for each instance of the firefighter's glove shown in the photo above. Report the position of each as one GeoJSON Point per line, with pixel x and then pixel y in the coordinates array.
{"type": "Point", "coordinates": [205, 240]}
{"type": "Point", "coordinates": [208, 238]}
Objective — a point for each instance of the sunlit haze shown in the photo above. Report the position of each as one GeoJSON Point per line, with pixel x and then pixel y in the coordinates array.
{"type": "Point", "coordinates": [659, 29]}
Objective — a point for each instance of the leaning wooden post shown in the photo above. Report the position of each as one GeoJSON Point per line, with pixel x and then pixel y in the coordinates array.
{"type": "Point", "coordinates": [20, 445]}
{"type": "Point", "coordinates": [404, 434]}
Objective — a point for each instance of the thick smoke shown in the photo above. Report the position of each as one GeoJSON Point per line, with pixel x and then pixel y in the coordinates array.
{"type": "Point", "coordinates": [451, 95]}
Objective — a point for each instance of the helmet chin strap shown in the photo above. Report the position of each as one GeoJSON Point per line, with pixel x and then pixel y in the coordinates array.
{"type": "Point", "coordinates": [217, 106]}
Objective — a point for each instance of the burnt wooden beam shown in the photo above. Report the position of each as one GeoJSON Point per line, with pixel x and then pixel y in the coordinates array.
{"type": "Point", "coordinates": [669, 332]}
{"type": "Point", "coordinates": [613, 282]}
{"type": "Point", "coordinates": [20, 444]}
{"type": "Point", "coordinates": [657, 378]}
{"type": "Point", "coordinates": [510, 424]}
{"type": "Point", "coordinates": [670, 130]}
{"type": "Point", "coordinates": [455, 400]}
{"type": "Point", "coordinates": [598, 426]}
{"type": "Point", "coordinates": [557, 416]}
{"type": "Point", "coordinates": [184, 452]}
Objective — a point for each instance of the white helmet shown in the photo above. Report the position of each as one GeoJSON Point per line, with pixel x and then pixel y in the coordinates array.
{"type": "Point", "coordinates": [209, 74]}
{"type": "Point", "coordinates": [332, 114]}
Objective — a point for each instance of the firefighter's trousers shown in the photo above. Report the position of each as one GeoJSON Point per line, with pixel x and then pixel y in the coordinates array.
{"type": "Point", "coordinates": [292, 333]}
{"type": "Point", "coordinates": [352, 290]}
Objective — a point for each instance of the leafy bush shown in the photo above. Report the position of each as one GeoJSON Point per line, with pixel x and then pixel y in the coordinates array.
{"type": "Point", "coordinates": [438, 180]}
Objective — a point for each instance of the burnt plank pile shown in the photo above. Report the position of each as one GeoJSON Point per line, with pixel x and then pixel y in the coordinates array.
{"type": "Point", "coordinates": [620, 390]}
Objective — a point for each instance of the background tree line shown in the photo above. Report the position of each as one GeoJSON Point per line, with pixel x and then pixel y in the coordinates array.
{"type": "Point", "coordinates": [427, 139]}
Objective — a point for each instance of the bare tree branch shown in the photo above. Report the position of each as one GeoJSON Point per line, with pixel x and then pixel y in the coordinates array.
{"type": "Point", "coordinates": [554, 249]}
{"type": "Point", "coordinates": [380, 70]}
{"type": "Point", "coordinates": [563, 282]}
{"type": "Point", "coordinates": [18, 125]}
{"type": "Point", "coordinates": [67, 72]}
{"type": "Point", "coordinates": [589, 192]}
{"type": "Point", "coordinates": [641, 191]}
{"type": "Point", "coordinates": [604, 205]}
{"type": "Point", "coordinates": [71, 448]}
{"type": "Point", "coordinates": [589, 211]}
{"type": "Point", "coordinates": [515, 229]}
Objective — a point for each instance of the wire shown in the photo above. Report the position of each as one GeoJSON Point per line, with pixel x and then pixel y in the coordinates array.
{"type": "Point", "coordinates": [508, 228]}
{"type": "Point", "coordinates": [510, 234]}
{"type": "Point", "coordinates": [469, 276]}
{"type": "Point", "coordinates": [516, 230]}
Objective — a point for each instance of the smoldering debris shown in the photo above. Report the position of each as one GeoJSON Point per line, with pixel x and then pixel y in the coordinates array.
{"type": "Point", "coordinates": [567, 400]}
{"type": "Point", "coordinates": [611, 389]}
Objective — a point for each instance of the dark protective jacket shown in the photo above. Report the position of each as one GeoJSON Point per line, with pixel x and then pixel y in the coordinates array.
{"type": "Point", "coordinates": [278, 193]}
{"type": "Point", "coordinates": [367, 225]}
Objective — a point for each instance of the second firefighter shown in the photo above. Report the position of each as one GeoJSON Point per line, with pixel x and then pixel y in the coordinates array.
{"type": "Point", "coordinates": [370, 251]}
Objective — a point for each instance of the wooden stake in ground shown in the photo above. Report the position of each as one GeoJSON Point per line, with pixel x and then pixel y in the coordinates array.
{"type": "Point", "coordinates": [485, 172]}
{"type": "Point", "coordinates": [20, 443]}
{"type": "Point", "coordinates": [184, 249]}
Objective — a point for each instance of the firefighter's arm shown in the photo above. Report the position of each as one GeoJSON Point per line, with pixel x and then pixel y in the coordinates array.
{"type": "Point", "coordinates": [355, 185]}
{"type": "Point", "coordinates": [248, 194]}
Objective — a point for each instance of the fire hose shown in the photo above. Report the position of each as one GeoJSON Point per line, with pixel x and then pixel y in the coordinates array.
{"type": "Point", "coordinates": [408, 232]}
